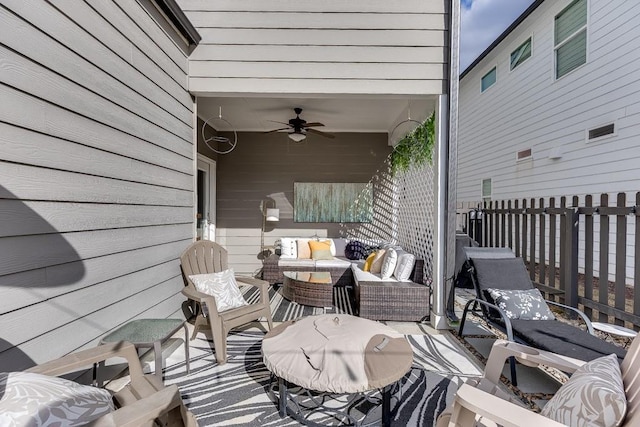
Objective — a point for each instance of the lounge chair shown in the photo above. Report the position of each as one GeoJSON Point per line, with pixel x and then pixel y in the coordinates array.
{"type": "Point", "coordinates": [205, 257]}
{"type": "Point", "coordinates": [510, 274]}
{"type": "Point", "coordinates": [482, 403]}
{"type": "Point", "coordinates": [145, 401]}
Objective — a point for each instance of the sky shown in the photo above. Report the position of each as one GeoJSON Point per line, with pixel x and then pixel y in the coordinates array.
{"type": "Point", "coordinates": [482, 21]}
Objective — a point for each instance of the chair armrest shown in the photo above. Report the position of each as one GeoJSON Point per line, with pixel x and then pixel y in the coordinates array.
{"type": "Point", "coordinates": [503, 315]}
{"type": "Point", "coordinates": [85, 358]}
{"type": "Point", "coordinates": [202, 298]}
{"type": "Point", "coordinates": [529, 356]}
{"type": "Point", "coordinates": [262, 285]}
{"type": "Point", "coordinates": [578, 312]}
{"type": "Point", "coordinates": [470, 401]}
{"type": "Point", "coordinates": [145, 410]}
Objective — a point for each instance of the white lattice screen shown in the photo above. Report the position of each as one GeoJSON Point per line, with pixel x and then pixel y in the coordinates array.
{"type": "Point", "coordinates": [404, 213]}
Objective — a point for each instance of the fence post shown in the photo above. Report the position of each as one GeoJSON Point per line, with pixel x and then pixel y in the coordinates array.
{"type": "Point", "coordinates": [570, 268]}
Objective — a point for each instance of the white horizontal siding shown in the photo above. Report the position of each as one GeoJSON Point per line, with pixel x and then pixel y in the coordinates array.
{"type": "Point", "coordinates": [96, 173]}
{"type": "Point", "coordinates": [528, 108]}
{"type": "Point", "coordinates": [308, 47]}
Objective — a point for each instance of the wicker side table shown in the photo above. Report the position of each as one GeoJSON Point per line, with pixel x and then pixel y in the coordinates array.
{"type": "Point", "coordinates": [308, 288]}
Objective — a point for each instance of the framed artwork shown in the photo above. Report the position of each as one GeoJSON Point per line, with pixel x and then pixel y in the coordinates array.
{"type": "Point", "coordinates": [332, 202]}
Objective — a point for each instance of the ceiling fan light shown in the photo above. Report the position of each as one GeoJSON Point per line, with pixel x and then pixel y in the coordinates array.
{"type": "Point", "coordinates": [297, 137]}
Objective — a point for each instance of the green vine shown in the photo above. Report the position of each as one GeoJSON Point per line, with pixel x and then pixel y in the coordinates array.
{"type": "Point", "coordinates": [415, 148]}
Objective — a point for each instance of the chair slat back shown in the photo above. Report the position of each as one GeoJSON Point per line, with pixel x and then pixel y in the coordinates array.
{"type": "Point", "coordinates": [631, 377]}
{"type": "Point", "coordinates": [203, 257]}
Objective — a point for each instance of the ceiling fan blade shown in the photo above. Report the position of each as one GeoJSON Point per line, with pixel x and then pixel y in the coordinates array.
{"type": "Point", "coordinates": [313, 124]}
{"type": "Point", "coordinates": [317, 132]}
{"type": "Point", "coordinates": [277, 130]}
{"type": "Point", "coordinates": [275, 121]}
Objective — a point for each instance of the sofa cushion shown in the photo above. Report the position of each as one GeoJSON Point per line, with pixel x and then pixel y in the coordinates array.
{"type": "Point", "coordinates": [288, 248]}
{"type": "Point", "coordinates": [366, 276]}
{"type": "Point", "coordinates": [304, 251]}
{"type": "Point", "coordinates": [320, 249]}
{"type": "Point", "coordinates": [298, 263]}
{"type": "Point", "coordinates": [389, 263]}
{"type": "Point", "coordinates": [333, 263]}
{"type": "Point", "coordinates": [404, 265]}
{"type": "Point", "coordinates": [593, 396]}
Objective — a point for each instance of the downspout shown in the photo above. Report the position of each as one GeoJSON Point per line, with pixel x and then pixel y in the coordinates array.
{"type": "Point", "coordinates": [446, 168]}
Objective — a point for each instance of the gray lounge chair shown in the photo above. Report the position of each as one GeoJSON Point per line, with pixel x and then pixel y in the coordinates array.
{"type": "Point", "coordinates": [550, 335]}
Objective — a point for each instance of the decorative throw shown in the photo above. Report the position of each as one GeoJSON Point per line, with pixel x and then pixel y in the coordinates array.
{"type": "Point", "coordinates": [593, 396]}
{"type": "Point", "coordinates": [321, 249]}
{"type": "Point", "coordinates": [304, 251]}
{"type": "Point", "coordinates": [404, 265]}
{"type": "Point", "coordinates": [526, 305]}
{"type": "Point", "coordinates": [357, 250]}
{"type": "Point", "coordinates": [31, 399]}
{"type": "Point", "coordinates": [222, 286]}
{"type": "Point", "coordinates": [389, 264]}
{"type": "Point", "coordinates": [376, 264]}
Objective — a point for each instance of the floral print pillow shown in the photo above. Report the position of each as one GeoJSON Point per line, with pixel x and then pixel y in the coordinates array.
{"type": "Point", "coordinates": [526, 304]}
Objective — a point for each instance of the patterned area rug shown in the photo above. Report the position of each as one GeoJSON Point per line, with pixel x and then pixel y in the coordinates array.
{"type": "Point", "coordinates": [238, 393]}
{"type": "Point", "coordinates": [282, 309]}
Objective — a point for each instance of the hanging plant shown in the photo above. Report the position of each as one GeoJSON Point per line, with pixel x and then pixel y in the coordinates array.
{"type": "Point", "coordinates": [416, 148]}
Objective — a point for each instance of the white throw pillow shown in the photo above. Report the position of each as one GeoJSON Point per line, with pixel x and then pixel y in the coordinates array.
{"type": "Point", "coordinates": [404, 265]}
{"type": "Point", "coordinates": [222, 286]}
{"type": "Point", "coordinates": [593, 396]}
{"type": "Point", "coordinates": [389, 264]}
{"type": "Point", "coordinates": [289, 248]}
{"type": "Point", "coordinates": [36, 399]}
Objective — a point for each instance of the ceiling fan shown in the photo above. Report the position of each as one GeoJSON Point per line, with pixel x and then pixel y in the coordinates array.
{"type": "Point", "coordinates": [297, 128]}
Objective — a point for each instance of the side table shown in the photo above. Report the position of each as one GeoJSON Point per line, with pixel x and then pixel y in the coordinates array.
{"type": "Point", "coordinates": [144, 333]}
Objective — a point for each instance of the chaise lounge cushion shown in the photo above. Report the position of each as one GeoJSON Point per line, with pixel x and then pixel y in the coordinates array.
{"type": "Point", "coordinates": [565, 339]}
{"type": "Point", "coordinates": [525, 305]}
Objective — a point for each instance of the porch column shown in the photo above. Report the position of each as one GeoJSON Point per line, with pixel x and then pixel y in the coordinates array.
{"type": "Point", "coordinates": [446, 165]}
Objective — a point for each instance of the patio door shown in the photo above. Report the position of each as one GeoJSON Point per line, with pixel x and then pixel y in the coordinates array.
{"type": "Point", "coordinates": [206, 199]}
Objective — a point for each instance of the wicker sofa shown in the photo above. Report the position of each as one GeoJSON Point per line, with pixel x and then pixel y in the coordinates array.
{"type": "Point", "coordinates": [339, 267]}
{"type": "Point", "coordinates": [390, 299]}
{"type": "Point", "coordinates": [375, 298]}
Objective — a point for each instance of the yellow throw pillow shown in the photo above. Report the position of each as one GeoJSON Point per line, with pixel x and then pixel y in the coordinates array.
{"type": "Point", "coordinates": [304, 252]}
{"type": "Point", "coordinates": [376, 264]}
{"type": "Point", "coordinates": [368, 261]}
{"type": "Point", "coordinates": [320, 250]}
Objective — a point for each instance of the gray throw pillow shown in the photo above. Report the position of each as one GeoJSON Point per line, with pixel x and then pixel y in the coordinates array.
{"type": "Point", "coordinates": [526, 305]}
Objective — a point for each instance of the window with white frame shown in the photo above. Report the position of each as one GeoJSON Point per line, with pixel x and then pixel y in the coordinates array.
{"type": "Point", "coordinates": [521, 54]}
{"type": "Point", "coordinates": [570, 38]}
{"type": "Point", "coordinates": [486, 190]}
{"type": "Point", "coordinates": [488, 80]}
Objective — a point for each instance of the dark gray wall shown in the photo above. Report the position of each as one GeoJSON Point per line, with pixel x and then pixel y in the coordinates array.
{"type": "Point", "coordinates": [265, 166]}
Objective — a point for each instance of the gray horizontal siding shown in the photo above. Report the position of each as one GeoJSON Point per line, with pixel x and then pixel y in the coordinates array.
{"type": "Point", "coordinates": [96, 173]}
{"type": "Point", "coordinates": [314, 47]}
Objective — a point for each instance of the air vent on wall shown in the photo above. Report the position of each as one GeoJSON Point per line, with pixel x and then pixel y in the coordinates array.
{"type": "Point", "coordinates": [524, 154]}
{"type": "Point", "coordinates": [601, 131]}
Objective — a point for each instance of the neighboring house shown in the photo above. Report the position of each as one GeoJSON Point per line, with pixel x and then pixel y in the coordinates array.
{"type": "Point", "coordinates": [552, 107]}
{"type": "Point", "coordinates": [98, 152]}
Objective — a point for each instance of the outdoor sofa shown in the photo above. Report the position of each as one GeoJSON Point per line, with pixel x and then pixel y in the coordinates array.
{"type": "Point", "coordinates": [407, 299]}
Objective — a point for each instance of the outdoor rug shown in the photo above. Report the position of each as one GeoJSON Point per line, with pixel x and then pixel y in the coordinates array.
{"type": "Point", "coordinates": [282, 309]}
{"type": "Point", "coordinates": [238, 392]}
